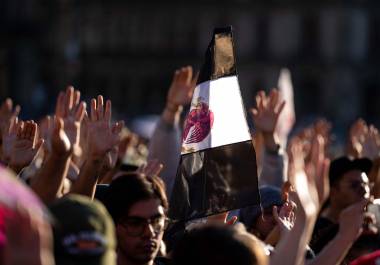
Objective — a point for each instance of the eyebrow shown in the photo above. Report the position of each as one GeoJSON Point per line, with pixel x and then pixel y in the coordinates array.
{"type": "Point", "coordinates": [151, 217]}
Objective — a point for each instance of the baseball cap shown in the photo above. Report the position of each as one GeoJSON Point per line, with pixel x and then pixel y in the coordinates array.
{"type": "Point", "coordinates": [342, 165]}
{"type": "Point", "coordinates": [84, 232]}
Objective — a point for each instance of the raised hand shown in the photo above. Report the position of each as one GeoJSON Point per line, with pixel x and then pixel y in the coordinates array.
{"type": "Point", "coordinates": [7, 114]}
{"type": "Point", "coordinates": [267, 111]}
{"type": "Point", "coordinates": [60, 143]}
{"type": "Point", "coordinates": [182, 88]}
{"type": "Point", "coordinates": [102, 136]}
{"type": "Point", "coordinates": [358, 131]}
{"type": "Point", "coordinates": [152, 168]}
{"type": "Point", "coordinates": [371, 143]}
{"type": "Point", "coordinates": [9, 136]}
{"type": "Point", "coordinates": [286, 217]}
{"type": "Point", "coordinates": [72, 111]}
{"type": "Point", "coordinates": [351, 220]}
{"type": "Point", "coordinates": [310, 181]}
{"type": "Point", "coordinates": [24, 144]}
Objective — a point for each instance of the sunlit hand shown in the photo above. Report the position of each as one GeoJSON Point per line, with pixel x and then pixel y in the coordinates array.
{"type": "Point", "coordinates": [371, 143]}
{"type": "Point", "coordinates": [7, 114]}
{"type": "Point", "coordinates": [152, 168]}
{"type": "Point", "coordinates": [25, 144]}
{"type": "Point", "coordinates": [72, 111]}
{"type": "Point", "coordinates": [102, 136]}
{"type": "Point", "coordinates": [182, 88]}
{"type": "Point", "coordinates": [60, 143]}
{"type": "Point", "coordinates": [351, 219]}
{"type": "Point", "coordinates": [267, 111]}
{"type": "Point", "coordinates": [286, 217]}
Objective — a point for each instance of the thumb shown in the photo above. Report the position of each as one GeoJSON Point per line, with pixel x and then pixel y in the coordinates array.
{"type": "Point", "coordinates": [58, 125]}
{"type": "Point", "coordinates": [39, 143]}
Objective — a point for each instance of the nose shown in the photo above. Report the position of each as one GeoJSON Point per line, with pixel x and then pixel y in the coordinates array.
{"type": "Point", "coordinates": [149, 231]}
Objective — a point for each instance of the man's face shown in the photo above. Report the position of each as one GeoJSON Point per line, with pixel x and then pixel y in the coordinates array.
{"type": "Point", "coordinates": [353, 187]}
{"type": "Point", "coordinates": [137, 239]}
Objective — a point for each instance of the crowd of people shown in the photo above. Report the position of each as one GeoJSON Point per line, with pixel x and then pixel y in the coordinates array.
{"type": "Point", "coordinates": [68, 196]}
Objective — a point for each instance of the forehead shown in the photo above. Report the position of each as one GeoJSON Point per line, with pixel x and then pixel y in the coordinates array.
{"type": "Point", "coordinates": [355, 175]}
{"type": "Point", "coordinates": [146, 208]}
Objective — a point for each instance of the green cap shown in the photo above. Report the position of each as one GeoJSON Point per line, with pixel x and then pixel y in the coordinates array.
{"type": "Point", "coordinates": [84, 232]}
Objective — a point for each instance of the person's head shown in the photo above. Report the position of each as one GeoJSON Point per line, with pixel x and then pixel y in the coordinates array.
{"type": "Point", "coordinates": [220, 245]}
{"type": "Point", "coordinates": [259, 220]}
{"type": "Point", "coordinates": [83, 232]}
{"type": "Point", "coordinates": [138, 206]}
{"type": "Point", "coordinates": [348, 181]}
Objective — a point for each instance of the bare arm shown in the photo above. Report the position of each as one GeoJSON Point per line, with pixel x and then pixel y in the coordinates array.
{"type": "Point", "coordinates": [350, 226]}
{"type": "Point", "coordinates": [311, 191]}
{"type": "Point", "coordinates": [48, 181]}
{"type": "Point", "coordinates": [265, 118]}
{"type": "Point", "coordinates": [165, 144]}
{"type": "Point", "coordinates": [102, 137]}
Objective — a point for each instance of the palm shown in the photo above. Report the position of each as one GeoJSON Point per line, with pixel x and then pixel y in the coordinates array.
{"type": "Point", "coordinates": [8, 141]}
{"type": "Point", "coordinates": [182, 87]}
{"type": "Point", "coordinates": [265, 121]}
{"type": "Point", "coordinates": [267, 111]}
{"type": "Point", "coordinates": [23, 153]}
{"type": "Point", "coordinates": [72, 130]}
{"type": "Point", "coordinates": [72, 111]}
{"type": "Point", "coordinates": [60, 142]}
{"type": "Point", "coordinates": [100, 137]}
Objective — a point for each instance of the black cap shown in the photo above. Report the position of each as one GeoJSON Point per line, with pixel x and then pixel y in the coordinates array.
{"type": "Point", "coordinates": [342, 165]}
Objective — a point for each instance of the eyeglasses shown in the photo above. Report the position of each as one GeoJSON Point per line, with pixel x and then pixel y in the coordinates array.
{"type": "Point", "coordinates": [135, 226]}
{"type": "Point", "coordinates": [355, 184]}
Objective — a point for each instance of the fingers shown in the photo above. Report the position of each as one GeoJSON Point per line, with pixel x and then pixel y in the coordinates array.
{"type": "Point", "coordinates": [189, 74]}
{"type": "Point", "coordinates": [195, 79]}
{"type": "Point", "coordinates": [275, 214]}
{"type": "Point", "coordinates": [117, 127]}
{"type": "Point", "coordinates": [100, 107]}
{"type": "Point", "coordinates": [279, 108]}
{"type": "Point", "coordinates": [175, 77]}
{"type": "Point", "coordinates": [93, 113]}
{"type": "Point", "coordinates": [58, 126]}
{"type": "Point", "coordinates": [69, 100]}
{"type": "Point", "coordinates": [76, 97]}
{"type": "Point", "coordinates": [39, 143]}
{"type": "Point", "coordinates": [80, 113]}
{"type": "Point", "coordinates": [108, 113]}
{"type": "Point", "coordinates": [17, 110]}
{"type": "Point", "coordinates": [100, 112]}
{"type": "Point", "coordinates": [20, 129]}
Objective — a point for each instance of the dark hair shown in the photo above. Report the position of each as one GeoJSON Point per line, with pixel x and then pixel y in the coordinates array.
{"type": "Point", "coordinates": [217, 245]}
{"type": "Point", "coordinates": [130, 188]}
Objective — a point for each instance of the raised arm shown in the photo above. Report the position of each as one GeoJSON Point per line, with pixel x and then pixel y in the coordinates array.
{"type": "Point", "coordinates": [350, 227]}
{"type": "Point", "coordinates": [265, 118]}
{"type": "Point", "coordinates": [102, 137]}
{"type": "Point", "coordinates": [48, 181]}
{"type": "Point", "coordinates": [311, 185]}
{"type": "Point", "coordinates": [23, 143]}
{"type": "Point", "coordinates": [165, 144]}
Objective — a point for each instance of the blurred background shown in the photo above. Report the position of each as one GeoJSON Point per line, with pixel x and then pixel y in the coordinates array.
{"type": "Point", "coordinates": [128, 50]}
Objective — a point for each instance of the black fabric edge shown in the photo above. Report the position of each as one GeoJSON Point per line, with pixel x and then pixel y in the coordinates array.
{"type": "Point", "coordinates": [215, 147]}
{"type": "Point", "coordinates": [207, 69]}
